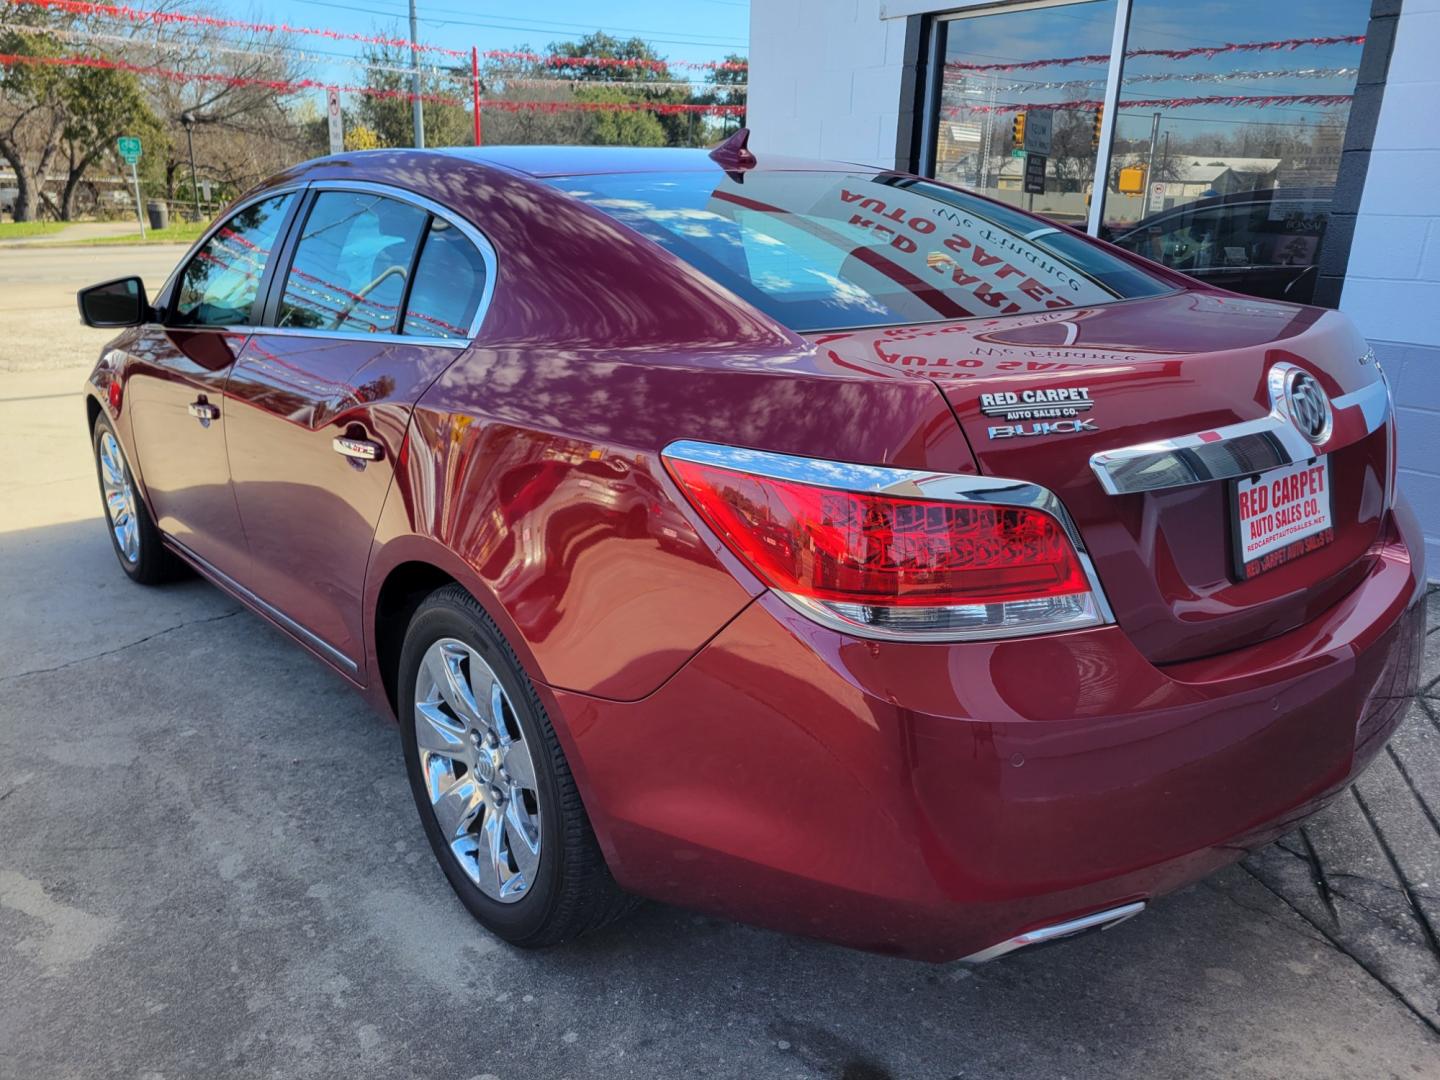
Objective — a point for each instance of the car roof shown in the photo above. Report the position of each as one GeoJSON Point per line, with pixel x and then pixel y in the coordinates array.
{"type": "Point", "coordinates": [548, 161]}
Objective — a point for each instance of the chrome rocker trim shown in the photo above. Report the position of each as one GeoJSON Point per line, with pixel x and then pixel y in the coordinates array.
{"type": "Point", "coordinates": [1237, 449]}
{"type": "Point", "coordinates": [264, 607]}
{"type": "Point", "coordinates": [985, 621]}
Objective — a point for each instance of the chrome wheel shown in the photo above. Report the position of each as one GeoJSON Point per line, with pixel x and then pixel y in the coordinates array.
{"type": "Point", "coordinates": [477, 770]}
{"type": "Point", "coordinates": [119, 492]}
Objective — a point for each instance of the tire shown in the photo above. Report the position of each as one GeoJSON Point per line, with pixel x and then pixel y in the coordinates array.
{"type": "Point", "coordinates": [133, 535]}
{"type": "Point", "coordinates": [559, 886]}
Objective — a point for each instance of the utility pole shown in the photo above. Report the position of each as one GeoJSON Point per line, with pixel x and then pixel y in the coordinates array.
{"type": "Point", "coordinates": [188, 119]}
{"type": "Point", "coordinates": [1150, 163]}
{"type": "Point", "coordinates": [417, 110]}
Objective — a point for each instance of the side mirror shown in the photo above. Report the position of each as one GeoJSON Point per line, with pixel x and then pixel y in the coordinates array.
{"type": "Point", "coordinates": [121, 302]}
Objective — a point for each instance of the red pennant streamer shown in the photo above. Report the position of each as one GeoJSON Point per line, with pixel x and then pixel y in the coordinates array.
{"type": "Point", "coordinates": [161, 18]}
{"type": "Point", "coordinates": [1207, 51]}
{"type": "Point", "coordinates": [1254, 100]}
{"type": "Point", "coordinates": [295, 86]}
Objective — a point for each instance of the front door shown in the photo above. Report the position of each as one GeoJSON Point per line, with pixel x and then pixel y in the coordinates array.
{"type": "Point", "coordinates": [175, 391]}
{"type": "Point", "coordinates": [378, 300]}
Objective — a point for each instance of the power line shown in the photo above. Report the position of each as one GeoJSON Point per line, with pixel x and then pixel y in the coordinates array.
{"type": "Point", "coordinates": [718, 42]}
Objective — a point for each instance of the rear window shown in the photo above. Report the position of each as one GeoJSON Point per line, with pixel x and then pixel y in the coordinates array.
{"type": "Point", "coordinates": [830, 251]}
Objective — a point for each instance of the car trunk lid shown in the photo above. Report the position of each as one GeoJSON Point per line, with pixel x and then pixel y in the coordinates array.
{"type": "Point", "coordinates": [1037, 395]}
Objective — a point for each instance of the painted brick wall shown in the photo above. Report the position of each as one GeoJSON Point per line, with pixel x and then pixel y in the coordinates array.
{"type": "Point", "coordinates": [825, 79]}
{"type": "Point", "coordinates": [1392, 284]}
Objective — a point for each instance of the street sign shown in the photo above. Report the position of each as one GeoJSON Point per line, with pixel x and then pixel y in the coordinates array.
{"type": "Point", "coordinates": [1154, 198]}
{"type": "Point", "coordinates": [337, 129]}
{"type": "Point", "coordinates": [1037, 131]}
{"type": "Point", "coordinates": [129, 147]}
{"type": "Point", "coordinates": [1017, 152]}
{"type": "Point", "coordinates": [1035, 174]}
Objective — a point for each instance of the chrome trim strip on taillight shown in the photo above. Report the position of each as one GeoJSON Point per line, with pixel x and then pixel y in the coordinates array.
{"type": "Point", "coordinates": [1237, 449]}
{"type": "Point", "coordinates": [945, 623]}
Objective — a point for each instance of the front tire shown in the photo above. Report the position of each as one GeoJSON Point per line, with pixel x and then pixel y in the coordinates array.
{"type": "Point", "coordinates": [133, 534]}
{"type": "Point", "coordinates": [495, 794]}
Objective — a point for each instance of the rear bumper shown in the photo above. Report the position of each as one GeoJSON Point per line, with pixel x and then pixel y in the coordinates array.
{"type": "Point", "coordinates": [935, 800]}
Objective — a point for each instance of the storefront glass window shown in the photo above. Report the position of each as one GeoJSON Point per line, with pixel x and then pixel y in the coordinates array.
{"type": "Point", "coordinates": [1227, 137]}
{"type": "Point", "coordinates": [1006, 63]}
{"type": "Point", "coordinates": [1228, 134]}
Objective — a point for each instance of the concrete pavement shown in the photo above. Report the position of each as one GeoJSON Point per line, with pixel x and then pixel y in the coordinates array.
{"type": "Point", "coordinates": [210, 867]}
{"type": "Point", "coordinates": [39, 324]}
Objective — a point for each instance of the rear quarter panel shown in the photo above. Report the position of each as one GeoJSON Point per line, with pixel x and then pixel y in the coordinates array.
{"type": "Point", "coordinates": [533, 468]}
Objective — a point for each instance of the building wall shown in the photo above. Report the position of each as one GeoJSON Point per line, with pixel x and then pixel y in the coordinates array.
{"type": "Point", "coordinates": [1392, 282]}
{"type": "Point", "coordinates": [825, 79]}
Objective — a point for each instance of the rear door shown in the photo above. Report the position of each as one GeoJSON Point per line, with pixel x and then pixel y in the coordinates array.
{"type": "Point", "coordinates": [381, 292]}
{"type": "Point", "coordinates": [175, 388]}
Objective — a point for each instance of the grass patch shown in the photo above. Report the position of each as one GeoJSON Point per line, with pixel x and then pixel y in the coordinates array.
{"type": "Point", "coordinates": [182, 232]}
{"type": "Point", "coordinates": [16, 230]}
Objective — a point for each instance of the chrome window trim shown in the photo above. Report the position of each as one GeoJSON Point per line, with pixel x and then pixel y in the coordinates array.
{"type": "Point", "coordinates": [471, 233]}
{"type": "Point", "coordinates": [353, 335]}
{"type": "Point", "coordinates": [912, 484]}
{"type": "Point", "coordinates": [1236, 450]}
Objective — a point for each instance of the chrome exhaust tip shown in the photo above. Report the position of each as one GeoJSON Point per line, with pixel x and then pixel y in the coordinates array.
{"type": "Point", "coordinates": [1100, 920]}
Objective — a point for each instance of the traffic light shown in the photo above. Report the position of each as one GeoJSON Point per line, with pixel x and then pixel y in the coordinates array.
{"type": "Point", "coordinates": [1095, 129]}
{"type": "Point", "coordinates": [1017, 130]}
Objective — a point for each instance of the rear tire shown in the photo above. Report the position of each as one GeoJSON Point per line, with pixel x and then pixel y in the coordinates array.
{"type": "Point", "coordinates": [495, 794]}
{"type": "Point", "coordinates": [133, 535]}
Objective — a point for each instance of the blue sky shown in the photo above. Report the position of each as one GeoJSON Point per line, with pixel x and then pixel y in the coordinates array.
{"type": "Point", "coordinates": [679, 29]}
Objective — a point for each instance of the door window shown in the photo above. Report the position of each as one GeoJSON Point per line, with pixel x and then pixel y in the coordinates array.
{"type": "Point", "coordinates": [219, 285]}
{"type": "Point", "coordinates": [449, 282]}
{"type": "Point", "coordinates": [351, 264]}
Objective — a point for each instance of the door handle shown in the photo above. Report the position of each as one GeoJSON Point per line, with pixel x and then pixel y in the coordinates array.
{"type": "Point", "coordinates": [360, 449]}
{"type": "Point", "coordinates": [204, 411]}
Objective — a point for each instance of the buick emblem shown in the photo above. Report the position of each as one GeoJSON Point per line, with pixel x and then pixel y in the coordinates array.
{"type": "Point", "coordinates": [1309, 407]}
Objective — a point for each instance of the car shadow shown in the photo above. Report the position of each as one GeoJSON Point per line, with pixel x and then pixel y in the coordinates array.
{"type": "Point", "coordinates": [210, 864]}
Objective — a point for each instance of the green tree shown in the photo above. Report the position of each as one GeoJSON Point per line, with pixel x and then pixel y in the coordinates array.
{"type": "Point", "coordinates": [102, 105]}
{"type": "Point", "coordinates": [47, 111]}
{"type": "Point", "coordinates": [387, 113]}
{"type": "Point", "coordinates": [650, 81]}
{"type": "Point", "coordinates": [621, 128]}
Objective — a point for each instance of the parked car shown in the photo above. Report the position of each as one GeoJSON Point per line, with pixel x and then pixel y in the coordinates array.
{"type": "Point", "coordinates": [818, 546]}
{"type": "Point", "coordinates": [1264, 242]}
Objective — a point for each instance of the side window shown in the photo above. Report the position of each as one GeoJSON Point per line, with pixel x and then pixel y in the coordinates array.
{"type": "Point", "coordinates": [351, 263]}
{"type": "Point", "coordinates": [219, 285]}
{"type": "Point", "coordinates": [449, 282]}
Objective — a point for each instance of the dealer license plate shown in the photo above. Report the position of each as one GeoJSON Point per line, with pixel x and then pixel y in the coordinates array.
{"type": "Point", "coordinates": [1280, 515]}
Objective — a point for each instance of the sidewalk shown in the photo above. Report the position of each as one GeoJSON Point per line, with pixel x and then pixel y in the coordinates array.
{"type": "Point", "coordinates": [80, 231]}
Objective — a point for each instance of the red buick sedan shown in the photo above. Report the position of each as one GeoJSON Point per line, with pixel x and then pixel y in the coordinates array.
{"type": "Point", "coordinates": [819, 546]}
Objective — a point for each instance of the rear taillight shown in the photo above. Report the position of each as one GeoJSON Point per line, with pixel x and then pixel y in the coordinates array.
{"type": "Point", "coordinates": [895, 552]}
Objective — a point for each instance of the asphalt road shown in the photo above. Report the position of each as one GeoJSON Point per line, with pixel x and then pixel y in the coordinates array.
{"type": "Point", "coordinates": [210, 867]}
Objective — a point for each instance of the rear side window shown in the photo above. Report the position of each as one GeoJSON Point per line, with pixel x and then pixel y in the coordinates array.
{"type": "Point", "coordinates": [351, 263]}
{"type": "Point", "coordinates": [219, 285]}
{"type": "Point", "coordinates": [829, 250]}
{"type": "Point", "coordinates": [449, 282]}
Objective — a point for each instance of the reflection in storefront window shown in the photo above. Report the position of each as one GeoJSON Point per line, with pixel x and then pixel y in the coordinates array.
{"type": "Point", "coordinates": [1228, 137]}
{"type": "Point", "coordinates": [1001, 66]}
